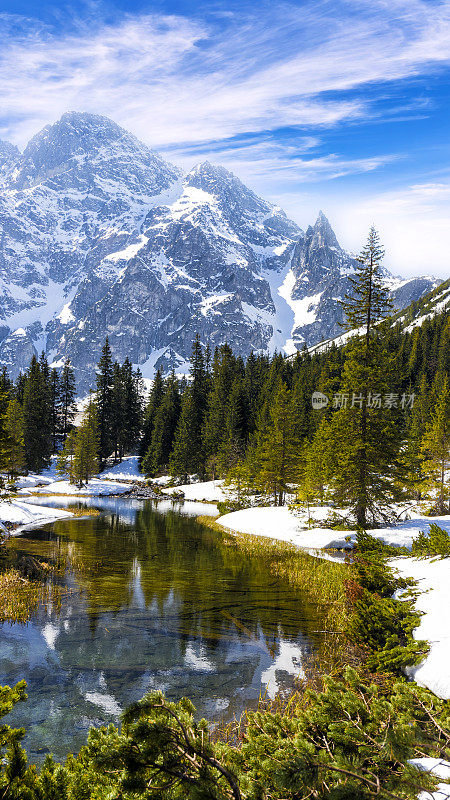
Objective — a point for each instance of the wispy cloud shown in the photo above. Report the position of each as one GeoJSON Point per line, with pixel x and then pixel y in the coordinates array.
{"type": "Point", "coordinates": [175, 80]}
{"type": "Point", "coordinates": [226, 86]}
{"type": "Point", "coordinates": [414, 222]}
{"type": "Point", "coordinates": [267, 161]}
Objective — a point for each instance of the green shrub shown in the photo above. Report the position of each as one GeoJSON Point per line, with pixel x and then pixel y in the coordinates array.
{"type": "Point", "coordinates": [350, 741]}
{"type": "Point", "coordinates": [435, 543]}
{"type": "Point", "coordinates": [381, 623]}
{"type": "Point", "coordinates": [227, 506]}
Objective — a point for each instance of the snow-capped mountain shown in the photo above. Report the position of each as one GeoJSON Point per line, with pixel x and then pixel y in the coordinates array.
{"type": "Point", "coordinates": [99, 236]}
{"type": "Point", "coordinates": [319, 279]}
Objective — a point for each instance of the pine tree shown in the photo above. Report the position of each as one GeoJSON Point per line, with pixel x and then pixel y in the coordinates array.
{"type": "Point", "coordinates": [55, 407]}
{"type": "Point", "coordinates": [182, 457]}
{"type": "Point", "coordinates": [66, 457]}
{"type": "Point", "coordinates": [37, 416]}
{"type": "Point", "coordinates": [15, 449]}
{"type": "Point", "coordinates": [165, 425]}
{"type": "Point", "coordinates": [436, 446]}
{"type": "Point", "coordinates": [87, 444]}
{"type": "Point", "coordinates": [5, 437]}
{"type": "Point", "coordinates": [79, 457]}
{"type": "Point", "coordinates": [317, 464]}
{"type": "Point", "coordinates": [234, 437]}
{"type": "Point", "coordinates": [104, 401]}
{"type": "Point", "coordinates": [279, 452]}
{"type": "Point", "coordinates": [224, 368]}
{"type": "Point", "coordinates": [133, 407]}
{"type": "Point", "coordinates": [118, 413]}
{"type": "Point", "coordinates": [368, 300]}
{"type": "Point", "coordinates": [154, 401]}
{"type": "Point", "coordinates": [188, 454]}
{"type": "Point", "coordinates": [367, 454]}
{"type": "Point", "coordinates": [67, 399]}
{"type": "Point", "coordinates": [413, 455]}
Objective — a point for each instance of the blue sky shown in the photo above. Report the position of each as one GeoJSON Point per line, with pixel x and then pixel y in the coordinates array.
{"type": "Point", "coordinates": [342, 106]}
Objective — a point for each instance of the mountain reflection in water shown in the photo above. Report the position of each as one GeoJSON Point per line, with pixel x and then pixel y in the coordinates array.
{"type": "Point", "coordinates": [158, 601]}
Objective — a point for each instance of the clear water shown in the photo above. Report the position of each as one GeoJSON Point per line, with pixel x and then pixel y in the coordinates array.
{"type": "Point", "coordinates": [157, 601]}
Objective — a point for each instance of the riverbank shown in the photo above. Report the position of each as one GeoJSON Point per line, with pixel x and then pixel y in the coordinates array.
{"type": "Point", "coordinates": [16, 515]}
{"type": "Point", "coordinates": [319, 581]}
{"type": "Point", "coordinates": [433, 577]}
{"type": "Point", "coordinates": [292, 526]}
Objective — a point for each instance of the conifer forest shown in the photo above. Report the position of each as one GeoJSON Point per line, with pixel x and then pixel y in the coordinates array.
{"type": "Point", "coordinates": [345, 443]}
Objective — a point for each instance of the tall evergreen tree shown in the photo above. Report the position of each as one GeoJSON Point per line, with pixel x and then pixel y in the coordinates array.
{"type": "Point", "coordinates": [79, 457]}
{"type": "Point", "coordinates": [5, 436]}
{"type": "Point", "coordinates": [278, 451]}
{"type": "Point", "coordinates": [37, 416]}
{"type": "Point", "coordinates": [67, 399]}
{"type": "Point", "coordinates": [165, 425]}
{"type": "Point", "coordinates": [188, 453]}
{"type": "Point", "coordinates": [436, 447]}
{"type": "Point", "coordinates": [133, 406]}
{"type": "Point", "coordinates": [104, 402]}
{"type": "Point", "coordinates": [182, 456]}
{"type": "Point", "coordinates": [368, 436]}
{"type": "Point", "coordinates": [154, 401]}
{"type": "Point", "coordinates": [234, 438]}
{"type": "Point", "coordinates": [223, 372]}
{"type": "Point", "coordinates": [55, 407]}
{"type": "Point", "coordinates": [118, 412]}
{"type": "Point", "coordinates": [14, 448]}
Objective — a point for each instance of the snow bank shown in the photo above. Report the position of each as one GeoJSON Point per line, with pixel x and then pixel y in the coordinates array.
{"type": "Point", "coordinates": [127, 468]}
{"type": "Point", "coordinates": [433, 578]}
{"type": "Point", "coordinates": [95, 488]}
{"type": "Point", "coordinates": [208, 490]}
{"type": "Point", "coordinates": [281, 523]}
{"type": "Point", "coordinates": [22, 513]}
{"type": "Point", "coordinates": [287, 526]}
{"type": "Point", "coordinates": [433, 575]}
{"type": "Point", "coordinates": [163, 480]}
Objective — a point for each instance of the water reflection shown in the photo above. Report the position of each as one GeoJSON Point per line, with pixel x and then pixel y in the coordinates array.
{"type": "Point", "coordinates": [158, 602]}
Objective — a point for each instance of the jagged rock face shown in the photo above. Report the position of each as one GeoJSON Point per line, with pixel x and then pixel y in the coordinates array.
{"type": "Point", "coordinates": [78, 193]}
{"type": "Point", "coordinates": [99, 236]}
{"type": "Point", "coordinates": [319, 280]}
{"type": "Point", "coordinates": [199, 265]}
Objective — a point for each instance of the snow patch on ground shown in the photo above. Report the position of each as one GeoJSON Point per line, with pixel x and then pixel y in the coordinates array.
{"type": "Point", "coordinates": [207, 490]}
{"type": "Point", "coordinates": [439, 768]}
{"type": "Point", "coordinates": [127, 468]}
{"type": "Point", "coordinates": [433, 576]}
{"type": "Point", "coordinates": [19, 512]}
{"type": "Point", "coordinates": [95, 488]}
{"type": "Point", "coordinates": [283, 524]}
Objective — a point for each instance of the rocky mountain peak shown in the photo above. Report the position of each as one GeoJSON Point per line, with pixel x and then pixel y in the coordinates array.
{"type": "Point", "coordinates": [86, 148]}
{"type": "Point", "coordinates": [226, 187]}
{"type": "Point", "coordinates": [322, 234]}
{"type": "Point", "coordinates": [100, 236]}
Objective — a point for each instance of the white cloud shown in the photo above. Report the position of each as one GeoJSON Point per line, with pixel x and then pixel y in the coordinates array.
{"type": "Point", "coordinates": [414, 223]}
{"type": "Point", "coordinates": [265, 163]}
{"type": "Point", "coordinates": [173, 80]}
{"type": "Point", "coordinates": [188, 86]}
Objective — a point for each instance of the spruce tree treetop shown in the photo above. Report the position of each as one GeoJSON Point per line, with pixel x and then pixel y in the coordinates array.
{"type": "Point", "coordinates": [368, 300]}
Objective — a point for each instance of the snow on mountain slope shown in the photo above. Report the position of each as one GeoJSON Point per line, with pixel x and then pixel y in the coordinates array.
{"type": "Point", "coordinates": [100, 236]}
{"type": "Point", "coordinates": [319, 280]}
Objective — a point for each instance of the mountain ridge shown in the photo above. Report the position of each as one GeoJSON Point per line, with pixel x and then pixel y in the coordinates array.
{"type": "Point", "coordinates": [101, 236]}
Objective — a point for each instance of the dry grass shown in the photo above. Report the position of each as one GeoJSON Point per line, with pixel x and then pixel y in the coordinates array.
{"type": "Point", "coordinates": [82, 512]}
{"type": "Point", "coordinates": [20, 597]}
